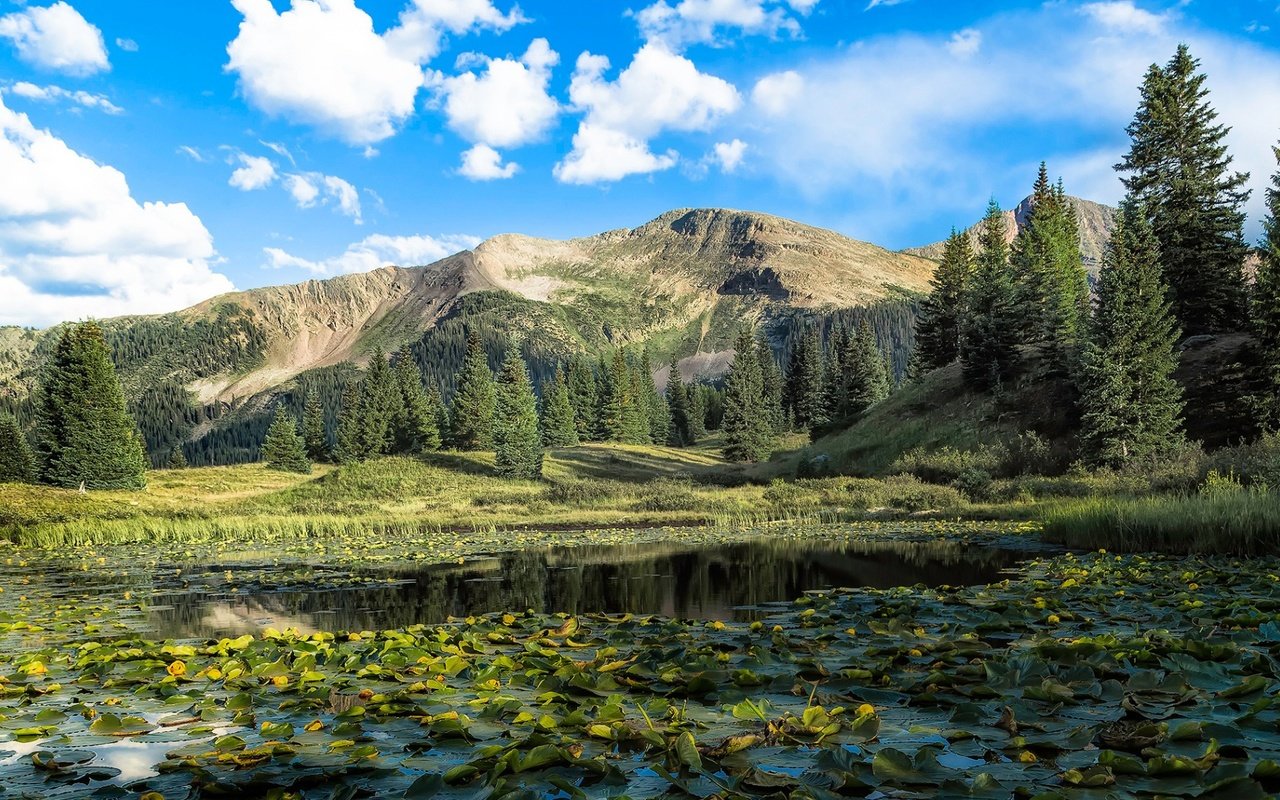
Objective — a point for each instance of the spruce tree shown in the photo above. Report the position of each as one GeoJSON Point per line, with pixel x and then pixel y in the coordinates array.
{"type": "Point", "coordinates": [559, 428]}
{"type": "Point", "coordinates": [349, 448]}
{"type": "Point", "coordinates": [313, 431]}
{"type": "Point", "coordinates": [177, 459]}
{"type": "Point", "coordinates": [989, 341]}
{"type": "Point", "coordinates": [381, 406]}
{"type": "Point", "coordinates": [747, 436]}
{"type": "Point", "coordinates": [584, 393]}
{"type": "Point", "coordinates": [474, 401]}
{"type": "Point", "coordinates": [681, 434]}
{"type": "Point", "coordinates": [698, 412]}
{"type": "Point", "coordinates": [868, 382]}
{"type": "Point", "coordinates": [771, 388]}
{"type": "Point", "coordinates": [416, 427]}
{"type": "Point", "coordinates": [1266, 309]}
{"type": "Point", "coordinates": [439, 412]}
{"type": "Point", "coordinates": [623, 414]}
{"type": "Point", "coordinates": [1179, 170]}
{"type": "Point", "coordinates": [1130, 402]}
{"type": "Point", "coordinates": [17, 464]}
{"type": "Point", "coordinates": [657, 414]}
{"type": "Point", "coordinates": [283, 449]}
{"type": "Point", "coordinates": [836, 377]}
{"type": "Point", "coordinates": [806, 393]}
{"type": "Point", "coordinates": [88, 437]}
{"type": "Point", "coordinates": [517, 441]}
{"type": "Point", "coordinates": [942, 312]}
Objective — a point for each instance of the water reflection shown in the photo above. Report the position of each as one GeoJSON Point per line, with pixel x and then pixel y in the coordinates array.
{"type": "Point", "coordinates": [723, 581]}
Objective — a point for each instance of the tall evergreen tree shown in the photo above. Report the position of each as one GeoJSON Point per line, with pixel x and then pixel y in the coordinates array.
{"type": "Point", "coordinates": [942, 312]}
{"type": "Point", "coordinates": [771, 388]}
{"type": "Point", "coordinates": [657, 414]}
{"type": "Point", "coordinates": [88, 436]}
{"type": "Point", "coordinates": [381, 406]}
{"type": "Point", "coordinates": [559, 428]}
{"type": "Point", "coordinates": [989, 341]}
{"type": "Point", "coordinates": [313, 432]}
{"type": "Point", "coordinates": [623, 414]}
{"type": "Point", "coordinates": [177, 458]}
{"type": "Point", "coordinates": [416, 426]}
{"type": "Point", "coordinates": [806, 393]}
{"type": "Point", "coordinates": [283, 448]}
{"type": "Point", "coordinates": [1266, 308]}
{"type": "Point", "coordinates": [1130, 403]}
{"type": "Point", "coordinates": [836, 377]}
{"type": "Point", "coordinates": [349, 448]}
{"type": "Point", "coordinates": [439, 412]}
{"type": "Point", "coordinates": [867, 382]}
{"type": "Point", "coordinates": [517, 441]}
{"type": "Point", "coordinates": [474, 401]}
{"type": "Point", "coordinates": [681, 434]}
{"type": "Point", "coordinates": [17, 464]}
{"type": "Point", "coordinates": [747, 435]}
{"type": "Point", "coordinates": [698, 412]}
{"type": "Point", "coordinates": [584, 393]}
{"type": "Point", "coordinates": [1179, 170]}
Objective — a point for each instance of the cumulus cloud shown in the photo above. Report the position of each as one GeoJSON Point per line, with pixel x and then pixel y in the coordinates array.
{"type": "Point", "coordinates": [321, 62]}
{"type": "Point", "coordinates": [483, 163]}
{"type": "Point", "coordinates": [729, 155]}
{"type": "Point", "coordinates": [311, 189]}
{"type": "Point", "coordinates": [74, 242]}
{"type": "Point", "coordinates": [965, 43]}
{"type": "Point", "coordinates": [708, 21]}
{"type": "Point", "coordinates": [915, 120]}
{"type": "Point", "coordinates": [374, 252]}
{"type": "Point", "coordinates": [507, 104]}
{"type": "Point", "coordinates": [254, 172]}
{"type": "Point", "coordinates": [659, 91]}
{"type": "Point", "coordinates": [56, 94]}
{"type": "Point", "coordinates": [56, 37]}
{"type": "Point", "coordinates": [773, 94]}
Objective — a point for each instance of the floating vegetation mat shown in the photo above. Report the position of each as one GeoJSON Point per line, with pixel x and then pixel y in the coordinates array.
{"type": "Point", "coordinates": [1091, 676]}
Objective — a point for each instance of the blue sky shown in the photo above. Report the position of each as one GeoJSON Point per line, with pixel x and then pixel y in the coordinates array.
{"type": "Point", "coordinates": [155, 154]}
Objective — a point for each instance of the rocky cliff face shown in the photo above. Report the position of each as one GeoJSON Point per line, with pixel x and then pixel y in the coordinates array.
{"type": "Point", "coordinates": [1096, 223]}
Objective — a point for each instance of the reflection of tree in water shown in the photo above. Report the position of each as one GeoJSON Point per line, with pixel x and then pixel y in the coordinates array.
{"type": "Point", "coordinates": [667, 578]}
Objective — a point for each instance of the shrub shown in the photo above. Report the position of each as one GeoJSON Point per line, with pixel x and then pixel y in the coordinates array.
{"type": "Point", "coordinates": [975, 483]}
{"type": "Point", "coordinates": [667, 494]}
{"type": "Point", "coordinates": [1256, 464]}
{"type": "Point", "coordinates": [909, 493]}
{"type": "Point", "coordinates": [946, 465]}
{"type": "Point", "coordinates": [584, 493]}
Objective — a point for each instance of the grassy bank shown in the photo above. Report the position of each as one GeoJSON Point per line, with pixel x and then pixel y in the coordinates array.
{"type": "Point", "coordinates": [1242, 523]}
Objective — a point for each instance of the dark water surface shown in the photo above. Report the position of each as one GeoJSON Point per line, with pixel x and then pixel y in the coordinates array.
{"type": "Point", "coordinates": [717, 581]}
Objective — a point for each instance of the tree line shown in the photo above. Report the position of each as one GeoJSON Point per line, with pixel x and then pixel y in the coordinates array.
{"type": "Point", "coordinates": [1174, 267]}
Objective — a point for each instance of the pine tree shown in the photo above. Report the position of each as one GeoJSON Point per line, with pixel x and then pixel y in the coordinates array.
{"type": "Point", "coordinates": [17, 464]}
{"type": "Point", "coordinates": [416, 427]}
{"type": "Point", "coordinates": [313, 431]}
{"type": "Point", "coordinates": [1051, 286]}
{"type": "Point", "coordinates": [942, 312]}
{"type": "Point", "coordinates": [623, 415]}
{"type": "Point", "coordinates": [584, 394]}
{"type": "Point", "coordinates": [88, 437]}
{"type": "Point", "coordinates": [283, 448]}
{"type": "Point", "coordinates": [681, 434]}
{"type": "Point", "coordinates": [747, 436]}
{"type": "Point", "coordinates": [771, 388]}
{"type": "Point", "coordinates": [989, 341]}
{"type": "Point", "coordinates": [474, 402]}
{"type": "Point", "coordinates": [1266, 308]}
{"type": "Point", "coordinates": [559, 428]}
{"type": "Point", "coordinates": [698, 412]}
{"type": "Point", "coordinates": [517, 441]}
{"type": "Point", "coordinates": [867, 382]}
{"type": "Point", "coordinates": [836, 377]}
{"type": "Point", "coordinates": [1179, 170]}
{"type": "Point", "coordinates": [177, 458]}
{"type": "Point", "coordinates": [657, 414]}
{"type": "Point", "coordinates": [381, 406]}
{"type": "Point", "coordinates": [349, 448]}
{"type": "Point", "coordinates": [1130, 403]}
{"type": "Point", "coordinates": [806, 394]}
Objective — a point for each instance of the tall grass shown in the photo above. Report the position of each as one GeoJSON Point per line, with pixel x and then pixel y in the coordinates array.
{"type": "Point", "coordinates": [1244, 523]}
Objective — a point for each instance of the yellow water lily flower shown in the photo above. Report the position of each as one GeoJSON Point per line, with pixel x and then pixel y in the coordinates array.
{"type": "Point", "coordinates": [865, 709]}
{"type": "Point", "coordinates": [177, 669]}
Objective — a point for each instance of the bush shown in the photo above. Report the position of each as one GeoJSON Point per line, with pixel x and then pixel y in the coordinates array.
{"type": "Point", "coordinates": [584, 493]}
{"type": "Point", "coordinates": [909, 493]}
{"type": "Point", "coordinates": [667, 494]}
{"type": "Point", "coordinates": [946, 465]}
{"type": "Point", "coordinates": [975, 483]}
{"type": "Point", "coordinates": [1256, 464]}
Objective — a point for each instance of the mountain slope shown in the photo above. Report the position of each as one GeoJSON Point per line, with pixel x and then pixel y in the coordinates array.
{"type": "Point", "coordinates": [1096, 223]}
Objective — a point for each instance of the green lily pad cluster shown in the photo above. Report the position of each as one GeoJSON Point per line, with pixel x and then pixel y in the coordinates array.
{"type": "Point", "coordinates": [1091, 676]}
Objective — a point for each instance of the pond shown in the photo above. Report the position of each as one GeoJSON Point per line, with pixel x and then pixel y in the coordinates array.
{"type": "Point", "coordinates": [718, 580]}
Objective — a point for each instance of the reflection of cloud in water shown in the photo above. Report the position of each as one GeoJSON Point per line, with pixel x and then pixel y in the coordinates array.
{"type": "Point", "coordinates": [135, 760]}
{"type": "Point", "coordinates": [251, 617]}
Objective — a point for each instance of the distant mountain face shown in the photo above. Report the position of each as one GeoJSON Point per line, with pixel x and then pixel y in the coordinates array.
{"type": "Point", "coordinates": [681, 283]}
{"type": "Point", "coordinates": [1096, 223]}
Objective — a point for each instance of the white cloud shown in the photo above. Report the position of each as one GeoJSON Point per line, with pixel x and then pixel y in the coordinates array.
{"type": "Point", "coordinates": [127, 45]}
{"type": "Point", "coordinates": [54, 94]}
{"type": "Point", "coordinates": [483, 163]}
{"type": "Point", "coordinates": [56, 37]}
{"type": "Point", "coordinates": [774, 93]}
{"type": "Point", "coordinates": [659, 91]}
{"type": "Point", "coordinates": [374, 252]}
{"type": "Point", "coordinates": [192, 153]}
{"type": "Point", "coordinates": [729, 155]}
{"type": "Point", "coordinates": [877, 3]}
{"type": "Point", "coordinates": [705, 21]}
{"type": "Point", "coordinates": [965, 43]}
{"type": "Point", "coordinates": [1124, 16]}
{"type": "Point", "coordinates": [321, 62]}
{"type": "Point", "coordinates": [507, 105]}
{"type": "Point", "coordinates": [913, 124]}
{"type": "Point", "coordinates": [255, 172]}
{"type": "Point", "coordinates": [310, 189]}
{"type": "Point", "coordinates": [74, 242]}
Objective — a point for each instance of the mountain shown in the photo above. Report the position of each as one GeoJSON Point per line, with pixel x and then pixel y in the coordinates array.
{"type": "Point", "coordinates": [681, 284]}
{"type": "Point", "coordinates": [1096, 223]}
